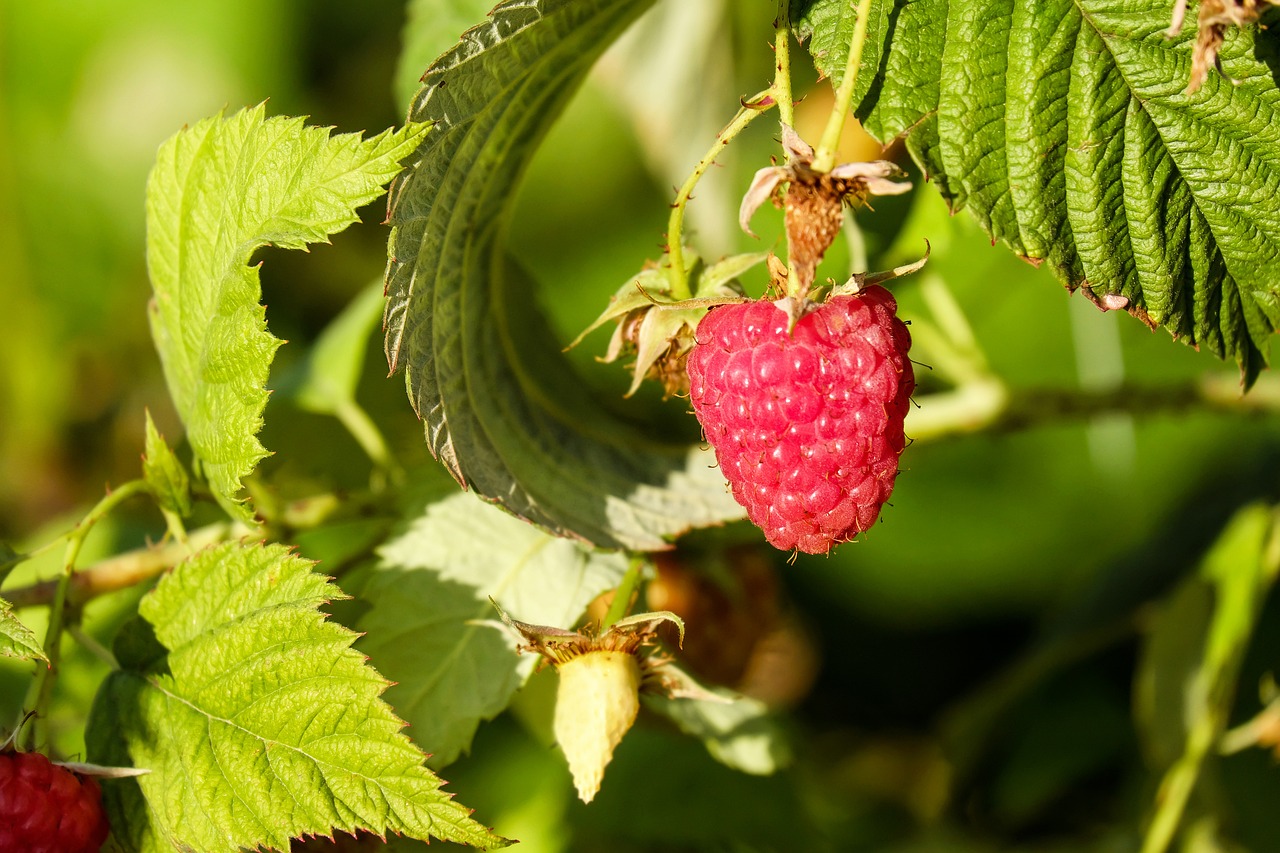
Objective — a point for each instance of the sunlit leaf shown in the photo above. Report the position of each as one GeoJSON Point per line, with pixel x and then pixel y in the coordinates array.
{"type": "Point", "coordinates": [219, 191]}
{"type": "Point", "coordinates": [165, 476]}
{"type": "Point", "coordinates": [432, 629]}
{"type": "Point", "coordinates": [502, 409]}
{"type": "Point", "coordinates": [1064, 127]}
{"type": "Point", "coordinates": [16, 639]}
{"type": "Point", "coordinates": [257, 720]}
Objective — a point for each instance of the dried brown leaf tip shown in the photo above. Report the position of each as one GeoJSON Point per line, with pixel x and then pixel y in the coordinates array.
{"type": "Point", "coordinates": [1214, 18]}
{"type": "Point", "coordinates": [814, 201]}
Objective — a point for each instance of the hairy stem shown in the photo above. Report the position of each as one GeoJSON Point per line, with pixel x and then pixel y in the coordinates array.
{"type": "Point", "coordinates": [679, 273]}
{"type": "Point", "coordinates": [782, 66]}
{"type": "Point", "coordinates": [42, 688]}
{"type": "Point", "coordinates": [825, 158]}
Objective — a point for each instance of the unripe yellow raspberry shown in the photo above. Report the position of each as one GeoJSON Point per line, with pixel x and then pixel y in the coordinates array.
{"type": "Point", "coordinates": [597, 703]}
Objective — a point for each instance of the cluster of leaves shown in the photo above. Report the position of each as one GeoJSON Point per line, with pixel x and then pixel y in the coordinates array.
{"type": "Point", "coordinates": [1066, 131]}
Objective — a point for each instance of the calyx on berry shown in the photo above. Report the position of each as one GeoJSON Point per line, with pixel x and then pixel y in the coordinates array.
{"type": "Point", "coordinates": [657, 327]}
{"type": "Point", "coordinates": [601, 678]}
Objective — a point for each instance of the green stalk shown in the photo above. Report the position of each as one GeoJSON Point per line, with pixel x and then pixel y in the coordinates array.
{"type": "Point", "coordinates": [622, 595]}
{"type": "Point", "coordinates": [825, 158]}
{"type": "Point", "coordinates": [42, 689]}
{"type": "Point", "coordinates": [782, 68]}
{"type": "Point", "coordinates": [679, 274]}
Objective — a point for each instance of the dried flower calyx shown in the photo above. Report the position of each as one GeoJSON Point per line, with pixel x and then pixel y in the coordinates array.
{"type": "Point", "coordinates": [657, 327]}
{"type": "Point", "coordinates": [1214, 18]}
{"type": "Point", "coordinates": [601, 677]}
{"type": "Point", "coordinates": [814, 201]}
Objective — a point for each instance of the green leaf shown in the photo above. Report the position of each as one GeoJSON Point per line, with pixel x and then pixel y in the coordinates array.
{"type": "Point", "coordinates": [1063, 126]}
{"type": "Point", "coordinates": [16, 639]}
{"type": "Point", "coordinates": [257, 720]}
{"type": "Point", "coordinates": [1186, 682]}
{"type": "Point", "coordinates": [165, 476]}
{"type": "Point", "coordinates": [219, 191]}
{"type": "Point", "coordinates": [431, 27]}
{"type": "Point", "coordinates": [333, 366]}
{"type": "Point", "coordinates": [502, 409]}
{"type": "Point", "coordinates": [9, 560]}
{"type": "Point", "coordinates": [738, 731]}
{"type": "Point", "coordinates": [432, 629]}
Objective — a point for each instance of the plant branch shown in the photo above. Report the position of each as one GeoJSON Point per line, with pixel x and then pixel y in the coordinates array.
{"type": "Point", "coordinates": [782, 65]}
{"type": "Point", "coordinates": [987, 405]}
{"type": "Point", "coordinates": [42, 688]}
{"type": "Point", "coordinates": [825, 158]}
{"type": "Point", "coordinates": [679, 274]}
{"type": "Point", "coordinates": [121, 571]}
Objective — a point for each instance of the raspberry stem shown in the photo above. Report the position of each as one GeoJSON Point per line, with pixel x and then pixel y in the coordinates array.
{"type": "Point", "coordinates": [42, 688]}
{"type": "Point", "coordinates": [782, 66]}
{"type": "Point", "coordinates": [679, 273]}
{"type": "Point", "coordinates": [622, 595]}
{"type": "Point", "coordinates": [825, 158]}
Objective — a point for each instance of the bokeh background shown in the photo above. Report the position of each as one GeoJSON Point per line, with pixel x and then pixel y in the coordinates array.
{"type": "Point", "coordinates": [959, 680]}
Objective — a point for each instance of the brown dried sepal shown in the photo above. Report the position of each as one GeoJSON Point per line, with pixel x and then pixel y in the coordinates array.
{"type": "Point", "coordinates": [814, 201]}
{"type": "Point", "coordinates": [1214, 18]}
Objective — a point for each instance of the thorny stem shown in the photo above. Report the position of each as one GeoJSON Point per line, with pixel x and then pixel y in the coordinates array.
{"type": "Point", "coordinates": [782, 67]}
{"type": "Point", "coordinates": [42, 688]}
{"type": "Point", "coordinates": [679, 274]}
{"type": "Point", "coordinates": [622, 595]}
{"type": "Point", "coordinates": [825, 158]}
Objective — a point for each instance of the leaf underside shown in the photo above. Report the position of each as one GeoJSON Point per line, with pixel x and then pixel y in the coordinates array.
{"type": "Point", "coordinates": [431, 625]}
{"type": "Point", "coordinates": [219, 191]}
{"type": "Point", "coordinates": [256, 719]}
{"type": "Point", "coordinates": [501, 409]}
{"type": "Point", "coordinates": [1064, 127]}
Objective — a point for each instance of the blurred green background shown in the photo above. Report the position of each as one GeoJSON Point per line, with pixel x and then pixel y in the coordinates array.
{"type": "Point", "coordinates": [973, 656]}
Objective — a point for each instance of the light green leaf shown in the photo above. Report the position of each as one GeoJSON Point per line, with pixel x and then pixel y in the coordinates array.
{"type": "Point", "coordinates": [738, 731]}
{"type": "Point", "coordinates": [16, 639]}
{"type": "Point", "coordinates": [257, 720]}
{"type": "Point", "coordinates": [432, 630]}
{"type": "Point", "coordinates": [1064, 127]}
{"type": "Point", "coordinates": [502, 409]}
{"type": "Point", "coordinates": [164, 474]}
{"type": "Point", "coordinates": [219, 191]}
{"type": "Point", "coordinates": [333, 366]}
{"type": "Point", "coordinates": [1186, 682]}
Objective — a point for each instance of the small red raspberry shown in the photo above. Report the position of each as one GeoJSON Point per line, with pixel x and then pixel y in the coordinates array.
{"type": "Point", "coordinates": [806, 424]}
{"type": "Point", "coordinates": [45, 808]}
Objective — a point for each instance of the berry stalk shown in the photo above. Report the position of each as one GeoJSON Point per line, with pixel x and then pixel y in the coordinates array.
{"type": "Point", "coordinates": [825, 158]}
{"type": "Point", "coordinates": [42, 688]}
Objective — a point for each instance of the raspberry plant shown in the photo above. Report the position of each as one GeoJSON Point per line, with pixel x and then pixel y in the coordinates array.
{"type": "Point", "coordinates": [293, 626]}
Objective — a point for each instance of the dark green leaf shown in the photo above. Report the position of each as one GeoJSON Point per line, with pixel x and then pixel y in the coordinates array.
{"type": "Point", "coordinates": [482, 369]}
{"type": "Point", "coordinates": [1064, 127]}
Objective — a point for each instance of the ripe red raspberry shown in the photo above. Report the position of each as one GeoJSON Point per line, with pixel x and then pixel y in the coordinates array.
{"type": "Point", "coordinates": [806, 425]}
{"type": "Point", "coordinates": [45, 808]}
